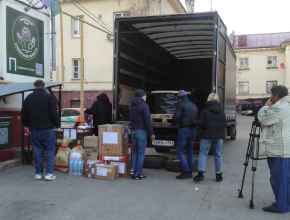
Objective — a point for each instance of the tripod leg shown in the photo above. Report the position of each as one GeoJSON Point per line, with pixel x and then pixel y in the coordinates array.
{"type": "Point", "coordinates": [254, 169]}
{"type": "Point", "coordinates": [248, 154]}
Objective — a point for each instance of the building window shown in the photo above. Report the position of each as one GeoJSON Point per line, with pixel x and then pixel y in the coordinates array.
{"type": "Point", "coordinates": [75, 103]}
{"type": "Point", "coordinates": [244, 63]}
{"type": "Point", "coordinates": [76, 26]}
{"type": "Point", "coordinates": [243, 87]}
{"type": "Point", "coordinates": [269, 85]}
{"type": "Point", "coordinates": [272, 62]}
{"type": "Point", "coordinates": [76, 74]}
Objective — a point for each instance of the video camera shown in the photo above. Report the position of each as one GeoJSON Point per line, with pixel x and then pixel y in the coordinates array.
{"type": "Point", "coordinates": [255, 106]}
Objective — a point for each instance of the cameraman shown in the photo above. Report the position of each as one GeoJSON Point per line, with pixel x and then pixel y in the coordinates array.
{"type": "Point", "coordinates": [275, 137]}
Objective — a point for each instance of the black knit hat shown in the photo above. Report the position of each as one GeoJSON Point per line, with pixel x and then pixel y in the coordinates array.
{"type": "Point", "coordinates": [140, 93]}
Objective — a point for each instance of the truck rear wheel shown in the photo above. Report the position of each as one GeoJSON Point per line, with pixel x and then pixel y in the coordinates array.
{"type": "Point", "coordinates": [154, 162]}
{"type": "Point", "coordinates": [174, 165]}
{"type": "Point", "coordinates": [233, 133]}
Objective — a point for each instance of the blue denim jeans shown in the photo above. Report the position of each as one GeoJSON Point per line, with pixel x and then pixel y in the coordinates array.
{"type": "Point", "coordinates": [185, 141]}
{"type": "Point", "coordinates": [139, 141]}
{"type": "Point", "coordinates": [205, 145]}
{"type": "Point", "coordinates": [280, 182]}
{"type": "Point", "coordinates": [43, 140]}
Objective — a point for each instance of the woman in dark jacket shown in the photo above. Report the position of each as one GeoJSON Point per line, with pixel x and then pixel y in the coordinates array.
{"type": "Point", "coordinates": [212, 121]}
{"type": "Point", "coordinates": [101, 111]}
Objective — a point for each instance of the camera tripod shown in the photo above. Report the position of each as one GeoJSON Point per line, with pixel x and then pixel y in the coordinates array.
{"type": "Point", "coordinates": [252, 153]}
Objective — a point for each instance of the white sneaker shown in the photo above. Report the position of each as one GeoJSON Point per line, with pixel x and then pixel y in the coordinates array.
{"type": "Point", "coordinates": [49, 176]}
{"type": "Point", "coordinates": [37, 176]}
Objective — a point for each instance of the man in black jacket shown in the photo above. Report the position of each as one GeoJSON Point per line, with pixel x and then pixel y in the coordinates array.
{"type": "Point", "coordinates": [186, 113]}
{"type": "Point", "coordinates": [140, 126]}
{"type": "Point", "coordinates": [101, 111]}
{"type": "Point", "coordinates": [39, 113]}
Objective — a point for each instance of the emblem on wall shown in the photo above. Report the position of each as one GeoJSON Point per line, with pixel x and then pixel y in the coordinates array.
{"type": "Point", "coordinates": [25, 37]}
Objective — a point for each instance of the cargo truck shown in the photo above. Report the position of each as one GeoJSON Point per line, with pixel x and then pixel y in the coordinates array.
{"type": "Point", "coordinates": [169, 53]}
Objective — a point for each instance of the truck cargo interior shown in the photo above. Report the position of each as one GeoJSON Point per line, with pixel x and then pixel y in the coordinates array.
{"type": "Point", "coordinates": [170, 53]}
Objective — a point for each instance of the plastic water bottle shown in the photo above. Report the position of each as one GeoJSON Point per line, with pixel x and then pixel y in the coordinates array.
{"type": "Point", "coordinates": [71, 166]}
{"type": "Point", "coordinates": [80, 166]}
{"type": "Point", "coordinates": [75, 170]}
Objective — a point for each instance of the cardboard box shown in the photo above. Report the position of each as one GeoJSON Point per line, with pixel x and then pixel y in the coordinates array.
{"type": "Point", "coordinates": [115, 158]}
{"type": "Point", "coordinates": [124, 163]}
{"type": "Point", "coordinates": [91, 153]}
{"type": "Point", "coordinates": [113, 140]}
{"type": "Point", "coordinates": [91, 147]}
{"type": "Point", "coordinates": [89, 169]}
{"type": "Point", "coordinates": [91, 141]}
{"type": "Point", "coordinates": [106, 172]}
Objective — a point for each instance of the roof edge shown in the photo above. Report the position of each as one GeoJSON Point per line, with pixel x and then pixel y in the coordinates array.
{"type": "Point", "coordinates": [257, 48]}
{"type": "Point", "coordinates": [180, 5]}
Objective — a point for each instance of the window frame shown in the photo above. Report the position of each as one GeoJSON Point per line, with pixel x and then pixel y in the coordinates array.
{"type": "Point", "coordinates": [240, 87]}
{"type": "Point", "coordinates": [79, 26]}
{"type": "Point", "coordinates": [272, 86]}
{"type": "Point", "coordinates": [72, 101]}
{"type": "Point", "coordinates": [243, 67]}
{"type": "Point", "coordinates": [272, 62]}
{"type": "Point", "coordinates": [79, 70]}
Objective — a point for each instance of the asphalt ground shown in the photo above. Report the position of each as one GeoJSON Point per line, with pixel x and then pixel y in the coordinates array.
{"type": "Point", "coordinates": [160, 196]}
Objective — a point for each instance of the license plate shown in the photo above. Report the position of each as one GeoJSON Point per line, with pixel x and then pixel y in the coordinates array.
{"type": "Point", "coordinates": [163, 143]}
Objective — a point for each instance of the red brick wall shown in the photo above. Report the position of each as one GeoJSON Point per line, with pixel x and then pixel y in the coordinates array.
{"type": "Point", "coordinates": [89, 97]}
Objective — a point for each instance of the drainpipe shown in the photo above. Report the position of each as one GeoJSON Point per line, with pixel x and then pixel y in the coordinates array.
{"type": "Point", "coordinates": [53, 41]}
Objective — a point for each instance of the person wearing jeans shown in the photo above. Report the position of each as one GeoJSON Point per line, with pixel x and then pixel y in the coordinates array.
{"type": "Point", "coordinates": [43, 141]}
{"type": "Point", "coordinates": [140, 126]}
{"type": "Point", "coordinates": [139, 141]}
{"type": "Point", "coordinates": [39, 113]}
{"type": "Point", "coordinates": [275, 146]}
{"type": "Point", "coordinates": [185, 143]}
{"type": "Point", "coordinates": [205, 145]}
{"type": "Point", "coordinates": [212, 121]}
{"type": "Point", "coordinates": [186, 114]}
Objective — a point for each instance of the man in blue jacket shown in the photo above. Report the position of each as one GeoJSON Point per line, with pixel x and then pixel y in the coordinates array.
{"type": "Point", "coordinates": [39, 113]}
{"type": "Point", "coordinates": [186, 113]}
{"type": "Point", "coordinates": [140, 126]}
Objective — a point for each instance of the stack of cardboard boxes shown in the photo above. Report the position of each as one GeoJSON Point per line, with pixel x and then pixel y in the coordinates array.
{"type": "Point", "coordinates": [111, 148]}
{"type": "Point", "coordinates": [91, 148]}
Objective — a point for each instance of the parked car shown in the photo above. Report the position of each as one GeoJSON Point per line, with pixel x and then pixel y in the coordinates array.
{"type": "Point", "coordinates": [71, 118]}
{"type": "Point", "coordinates": [247, 112]}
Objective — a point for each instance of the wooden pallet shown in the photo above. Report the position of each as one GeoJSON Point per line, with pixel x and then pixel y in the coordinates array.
{"type": "Point", "coordinates": [164, 118]}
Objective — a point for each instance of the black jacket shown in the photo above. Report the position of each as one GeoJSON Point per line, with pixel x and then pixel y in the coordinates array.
{"type": "Point", "coordinates": [140, 118]}
{"type": "Point", "coordinates": [101, 110]}
{"type": "Point", "coordinates": [39, 111]}
{"type": "Point", "coordinates": [212, 121]}
{"type": "Point", "coordinates": [186, 113]}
